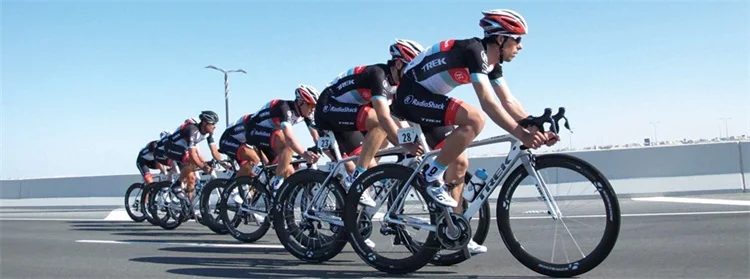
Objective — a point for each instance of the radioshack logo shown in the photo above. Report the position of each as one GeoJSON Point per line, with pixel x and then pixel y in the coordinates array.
{"type": "Point", "coordinates": [261, 133]}
{"type": "Point", "coordinates": [326, 108]}
{"type": "Point", "coordinates": [425, 104]}
{"type": "Point", "coordinates": [340, 109]}
{"type": "Point", "coordinates": [408, 99]}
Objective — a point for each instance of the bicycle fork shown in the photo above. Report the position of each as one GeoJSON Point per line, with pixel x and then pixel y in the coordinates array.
{"type": "Point", "coordinates": [542, 188]}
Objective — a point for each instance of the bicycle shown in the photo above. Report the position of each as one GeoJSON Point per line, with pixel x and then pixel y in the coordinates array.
{"type": "Point", "coordinates": [250, 204]}
{"type": "Point", "coordinates": [170, 198]}
{"type": "Point", "coordinates": [135, 206]}
{"type": "Point", "coordinates": [321, 201]}
{"type": "Point", "coordinates": [449, 230]}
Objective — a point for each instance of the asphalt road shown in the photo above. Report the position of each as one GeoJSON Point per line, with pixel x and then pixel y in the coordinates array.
{"type": "Point", "coordinates": [701, 238]}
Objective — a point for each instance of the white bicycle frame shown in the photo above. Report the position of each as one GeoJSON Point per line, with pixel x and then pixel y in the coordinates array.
{"type": "Point", "coordinates": [501, 173]}
{"type": "Point", "coordinates": [334, 168]}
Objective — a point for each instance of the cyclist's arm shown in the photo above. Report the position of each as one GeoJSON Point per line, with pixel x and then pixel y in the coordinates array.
{"type": "Point", "coordinates": [187, 135]}
{"type": "Point", "coordinates": [476, 60]}
{"type": "Point", "coordinates": [291, 142]}
{"type": "Point", "coordinates": [509, 102]}
{"type": "Point", "coordinates": [214, 150]}
{"type": "Point", "coordinates": [380, 104]}
{"type": "Point", "coordinates": [385, 119]}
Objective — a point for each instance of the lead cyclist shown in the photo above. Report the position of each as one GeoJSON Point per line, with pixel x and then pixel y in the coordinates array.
{"type": "Point", "coordinates": [421, 98]}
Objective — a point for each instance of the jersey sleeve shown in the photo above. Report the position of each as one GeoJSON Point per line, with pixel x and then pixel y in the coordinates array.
{"type": "Point", "coordinates": [210, 139]}
{"type": "Point", "coordinates": [188, 134]}
{"type": "Point", "coordinates": [377, 82]}
{"type": "Point", "coordinates": [282, 113]}
{"type": "Point", "coordinates": [476, 61]}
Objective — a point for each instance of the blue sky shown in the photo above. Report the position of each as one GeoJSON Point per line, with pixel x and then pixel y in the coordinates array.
{"type": "Point", "coordinates": [86, 84]}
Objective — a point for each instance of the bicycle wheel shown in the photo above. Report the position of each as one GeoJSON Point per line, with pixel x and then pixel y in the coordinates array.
{"type": "Point", "coordinates": [309, 240]}
{"type": "Point", "coordinates": [161, 200]}
{"type": "Point", "coordinates": [133, 204]}
{"type": "Point", "coordinates": [590, 192]}
{"type": "Point", "coordinates": [209, 206]}
{"type": "Point", "coordinates": [391, 176]}
{"type": "Point", "coordinates": [148, 208]}
{"type": "Point", "coordinates": [245, 201]}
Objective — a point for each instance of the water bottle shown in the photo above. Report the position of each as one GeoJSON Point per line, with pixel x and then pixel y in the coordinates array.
{"type": "Point", "coordinates": [475, 185]}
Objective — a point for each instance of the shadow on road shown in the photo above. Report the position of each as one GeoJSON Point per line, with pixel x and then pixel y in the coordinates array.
{"type": "Point", "coordinates": [231, 251]}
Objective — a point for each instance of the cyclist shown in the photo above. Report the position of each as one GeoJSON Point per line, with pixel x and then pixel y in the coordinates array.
{"type": "Point", "coordinates": [271, 131]}
{"type": "Point", "coordinates": [233, 143]}
{"type": "Point", "coordinates": [357, 100]}
{"type": "Point", "coordinates": [182, 148]}
{"type": "Point", "coordinates": [421, 98]}
{"type": "Point", "coordinates": [147, 160]}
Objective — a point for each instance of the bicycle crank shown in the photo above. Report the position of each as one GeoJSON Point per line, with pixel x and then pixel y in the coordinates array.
{"type": "Point", "coordinates": [456, 238]}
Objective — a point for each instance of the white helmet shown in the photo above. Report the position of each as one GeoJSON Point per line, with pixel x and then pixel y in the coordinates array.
{"type": "Point", "coordinates": [503, 22]}
{"type": "Point", "coordinates": [306, 93]}
{"type": "Point", "coordinates": [405, 50]}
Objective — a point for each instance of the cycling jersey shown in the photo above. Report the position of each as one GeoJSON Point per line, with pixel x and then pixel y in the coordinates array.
{"type": "Point", "coordinates": [233, 138]}
{"type": "Point", "coordinates": [359, 85]}
{"type": "Point", "coordinates": [146, 160]}
{"type": "Point", "coordinates": [443, 66]}
{"type": "Point", "coordinates": [185, 137]}
{"type": "Point", "coordinates": [277, 112]}
{"type": "Point", "coordinates": [345, 103]}
{"type": "Point", "coordinates": [267, 123]}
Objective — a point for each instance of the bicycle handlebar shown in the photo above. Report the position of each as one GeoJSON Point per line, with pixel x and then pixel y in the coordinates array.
{"type": "Point", "coordinates": [547, 117]}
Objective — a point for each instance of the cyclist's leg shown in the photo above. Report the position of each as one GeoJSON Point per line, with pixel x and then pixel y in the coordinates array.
{"type": "Point", "coordinates": [367, 119]}
{"type": "Point", "coordinates": [350, 144]}
{"type": "Point", "coordinates": [144, 170]}
{"type": "Point", "coordinates": [247, 158]}
{"type": "Point", "coordinates": [283, 158]}
{"type": "Point", "coordinates": [187, 175]}
{"type": "Point", "coordinates": [446, 111]}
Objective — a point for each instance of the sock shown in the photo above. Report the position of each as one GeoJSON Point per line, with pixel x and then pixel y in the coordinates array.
{"type": "Point", "coordinates": [434, 171]}
{"type": "Point", "coordinates": [276, 182]}
{"type": "Point", "coordinates": [357, 171]}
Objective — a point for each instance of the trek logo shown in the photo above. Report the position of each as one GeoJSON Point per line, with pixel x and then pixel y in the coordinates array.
{"type": "Point", "coordinates": [433, 64]}
{"type": "Point", "coordinates": [264, 114]}
{"type": "Point", "coordinates": [429, 120]}
{"type": "Point", "coordinates": [331, 108]}
{"type": "Point", "coordinates": [425, 104]}
{"type": "Point", "coordinates": [345, 84]}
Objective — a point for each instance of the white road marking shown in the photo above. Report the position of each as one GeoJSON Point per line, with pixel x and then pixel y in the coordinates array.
{"type": "Point", "coordinates": [255, 246]}
{"type": "Point", "coordinates": [694, 200]}
{"type": "Point", "coordinates": [118, 215]}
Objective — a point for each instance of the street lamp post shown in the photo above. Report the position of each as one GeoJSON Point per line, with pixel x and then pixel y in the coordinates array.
{"type": "Point", "coordinates": [656, 140]}
{"type": "Point", "coordinates": [226, 87]}
{"type": "Point", "coordinates": [726, 127]}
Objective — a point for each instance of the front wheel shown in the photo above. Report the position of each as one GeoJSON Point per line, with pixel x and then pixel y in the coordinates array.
{"type": "Point", "coordinates": [244, 207]}
{"type": "Point", "coordinates": [559, 247]}
{"type": "Point", "coordinates": [133, 202]}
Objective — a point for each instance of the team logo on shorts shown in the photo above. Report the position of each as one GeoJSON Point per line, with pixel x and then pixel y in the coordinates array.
{"type": "Point", "coordinates": [408, 99]}
{"type": "Point", "coordinates": [326, 108]}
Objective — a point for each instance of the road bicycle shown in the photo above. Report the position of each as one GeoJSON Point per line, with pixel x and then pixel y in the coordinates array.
{"type": "Point", "coordinates": [247, 200]}
{"type": "Point", "coordinates": [532, 199]}
{"type": "Point", "coordinates": [133, 204]}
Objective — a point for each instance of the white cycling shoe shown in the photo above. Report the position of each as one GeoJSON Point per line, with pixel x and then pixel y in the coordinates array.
{"type": "Point", "coordinates": [475, 248]}
{"type": "Point", "coordinates": [439, 193]}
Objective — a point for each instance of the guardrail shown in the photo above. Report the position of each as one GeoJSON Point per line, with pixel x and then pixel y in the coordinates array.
{"type": "Point", "coordinates": [694, 167]}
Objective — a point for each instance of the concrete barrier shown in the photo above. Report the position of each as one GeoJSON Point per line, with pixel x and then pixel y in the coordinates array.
{"type": "Point", "coordinates": [712, 166]}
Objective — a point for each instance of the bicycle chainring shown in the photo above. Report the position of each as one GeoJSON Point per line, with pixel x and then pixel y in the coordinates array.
{"type": "Point", "coordinates": [453, 242]}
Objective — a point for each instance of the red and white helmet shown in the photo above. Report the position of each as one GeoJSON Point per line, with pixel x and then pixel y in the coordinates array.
{"type": "Point", "coordinates": [503, 22]}
{"type": "Point", "coordinates": [405, 50]}
{"type": "Point", "coordinates": [306, 93]}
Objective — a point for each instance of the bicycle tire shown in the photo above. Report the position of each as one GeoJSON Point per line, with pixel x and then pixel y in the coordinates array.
{"type": "Point", "coordinates": [163, 222]}
{"type": "Point", "coordinates": [223, 212]}
{"type": "Point", "coordinates": [286, 225]}
{"type": "Point", "coordinates": [214, 224]}
{"type": "Point", "coordinates": [148, 190]}
{"type": "Point", "coordinates": [426, 251]}
{"type": "Point", "coordinates": [597, 255]}
{"type": "Point", "coordinates": [133, 187]}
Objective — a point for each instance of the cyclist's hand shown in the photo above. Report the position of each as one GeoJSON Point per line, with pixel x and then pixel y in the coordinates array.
{"type": "Point", "coordinates": [226, 165]}
{"type": "Point", "coordinates": [310, 157]}
{"type": "Point", "coordinates": [532, 138]}
{"type": "Point", "coordinates": [552, 138]}
{"type": "Point", "coordinates": [206, 168]}
{"type": "Point", "coordinates": [413, 148]}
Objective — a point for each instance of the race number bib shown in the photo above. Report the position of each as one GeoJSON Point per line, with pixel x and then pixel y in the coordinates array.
{"type": "Point", "coordinates": [325, 141]}
{"type": "Point", "coordinates": [408, 135]}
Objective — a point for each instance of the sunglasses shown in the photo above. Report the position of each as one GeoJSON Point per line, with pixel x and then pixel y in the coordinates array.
{"type": "Point", "coordinates": [517, 38]}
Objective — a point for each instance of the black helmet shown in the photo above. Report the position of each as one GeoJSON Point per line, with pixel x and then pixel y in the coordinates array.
{"type": "Point", "coordinates": [209, 116]}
